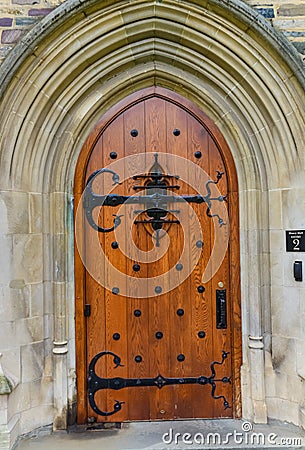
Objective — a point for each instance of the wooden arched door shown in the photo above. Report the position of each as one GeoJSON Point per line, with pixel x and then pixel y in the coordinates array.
{"type": "Point", "coordinates": [157, 265]}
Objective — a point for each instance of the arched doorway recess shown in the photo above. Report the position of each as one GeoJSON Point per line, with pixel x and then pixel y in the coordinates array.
{"type": "Point", "coordinates": [86, 57]}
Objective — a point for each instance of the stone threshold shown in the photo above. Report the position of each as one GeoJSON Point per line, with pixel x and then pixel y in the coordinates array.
{"type": "Point", "coordinates": [180, 435]}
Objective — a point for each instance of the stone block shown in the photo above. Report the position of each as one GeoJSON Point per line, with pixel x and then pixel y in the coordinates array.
{"type": "Point", "coordinates": [302, 314]}
{"type": "Point", "coordinates": [283, 410]}
{"type": "Point", "coordinates": [269, 377]}
{"type": "Point", "coordinates": [277, 241]}
{"type": "Point", "coordinates": [277, 269]}
{"type": "Point", "coordinates": [7, 334]}
{"type": "Point", "coordinates": [301, 359]}
{"type": "Point", "coordinates": [4, 51]}
{"type": "Point", "coordinates": [302, 417]}
{"type": "Point", "coordinates": [35, 222]}
{"type": "Point", "coordinates": [26, 21]}
{"type": "Point", "coordinates": [268, 13]}
{"type": "Point", "coordinates": [40, 12]}
{"type": "Point", "coordinates": [300, 46]}
{"type": "Point", "coordinates": [289, 23]}
{"type": "Point", "coordinates": [32, 361]}
{"type": "Point", "coordinates": [6, 245]}
{"type": "Point", "coordinates": [6, 22]}
{"type": "Point", "coordinates": [275, 210]}
{"type": "Point", "coordinates": [4, 438]}
{"type": "Point", "coordinates": [11, 36]}
{"type": "Point", "coordinates": [48, 250]}
{"type": "Point", "coordinates": [11, 361]}
{"type": "Point", "coordinates": [48, 361]}
{"type": "Point", "coordinates": [29, 330]}
{"type": "Point", "coordinates": [58, 202]}
{"type": "Point", "coordinates": [17, 211]}
{"type": "Point", "coordinates": [59, 257]}
{"type": "Point", "coordinates": [293, 208]}
{"type": "Point", "coordinates": [14, 303]}
{"type": "Point", "coordinates": [28, 260]}
{"type": "Point", "coordinates": [48, 325]}
{"type": "Point", "coordinates": [35, 417]}
{"type": "Point", "coordinates": [288, 10]}
{"type": "Point", "coordinates": [285, 313]}
{"type": "Point", "coordinates": [36, 300]}
{"type": "Point", "coordinates": [3, 418]}
{"type": "Point", "coordinates": [42, 392]}
{"type": "Point", "coordinates": [297, 34]}
{"type": "Point", "coordinates": [3, 404]}
{"type": "Point", "coordinates": [19, 400]}
{"type": "Point", "coordinates": [48, 298]}
{"type": "Point", "coordinates": [25, 2]}
{"type": "Point", "coordinates": [283, 354]}
{"type": "Point", "coordinates": [9, 433]}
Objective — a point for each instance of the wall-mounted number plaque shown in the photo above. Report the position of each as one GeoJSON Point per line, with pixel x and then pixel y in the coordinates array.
{"type": "Point", "coordinates": [295, 241]}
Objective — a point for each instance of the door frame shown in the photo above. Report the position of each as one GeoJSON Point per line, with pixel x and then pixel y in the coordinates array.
{"type": "Point", "coordinates": [233, 211]}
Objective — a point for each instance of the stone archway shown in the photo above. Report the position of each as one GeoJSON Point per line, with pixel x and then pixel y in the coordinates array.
{"type": "Point", "coordinates": [82, 59]}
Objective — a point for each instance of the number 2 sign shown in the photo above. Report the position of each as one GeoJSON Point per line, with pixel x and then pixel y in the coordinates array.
{"type": "Point", "coordinates": [295, 241]}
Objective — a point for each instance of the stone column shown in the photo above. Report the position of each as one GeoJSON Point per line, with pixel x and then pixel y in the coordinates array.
{"type": "Point", "coordinates": [253, 367]}
{"type": "Point", "coordinates": [60, 349]}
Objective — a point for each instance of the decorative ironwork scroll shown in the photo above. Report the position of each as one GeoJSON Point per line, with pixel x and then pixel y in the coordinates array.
{"type": "Point", "coordinates": [96, 383]}
{"type": "Point", "coordinates": [155, 200]}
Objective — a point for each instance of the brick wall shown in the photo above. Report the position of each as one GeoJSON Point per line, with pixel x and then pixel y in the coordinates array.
{"type": "Point", "coordinates": [288, 16]}
{"type": "Point", "coordinates": [18, 16]}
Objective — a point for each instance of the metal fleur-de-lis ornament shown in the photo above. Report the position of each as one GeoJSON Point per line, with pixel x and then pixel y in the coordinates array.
{"type": "Point", "coordinates": [155, 200]}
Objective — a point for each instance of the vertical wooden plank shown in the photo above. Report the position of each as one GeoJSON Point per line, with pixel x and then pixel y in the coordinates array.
{"type": "Point", "coordinates": [137, 307]}
{"type": "Point", "coordinates": [180, 298]}
{"type": "Point", "coordinates": [202, 301]}
{"type": "Point", "coordinates": [94, 291]}
{"type": "Point", "coordinates": [161, 399]}
{"type": "Point", "coordinates": [221, 281]}
{"type": "Point", "coordinates": [115, 303]}
{"type": "Point", "coordinates": [80, 321]}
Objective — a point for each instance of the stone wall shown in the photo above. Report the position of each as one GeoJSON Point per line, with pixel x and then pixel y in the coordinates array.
{"type": "Point", "coordinates": [18, 16]}
{"type": "Point", "coordinates": [287, 16]}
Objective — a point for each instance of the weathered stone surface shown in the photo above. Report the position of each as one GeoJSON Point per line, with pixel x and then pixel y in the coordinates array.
{"type": "Point", "coordinates": [268, 13]}
{"type": "Point", "coordinates": [293, 207]}
{"type": "Point", "coordinates": [32, 361]}
{"type": "Point", "coordinates": [25, 2]}
{"type": "Point", "coordinates": [25, 21]}
{"type": "Point", "coordinates": [14, 303]}
{"type": "Point", "coordinates": [11, 36]}
{"type": "Point", "coordinates": [6, 22]}
{"type": "Point", "coordinates": [34, 417]}
{"type": "Point", "coordinates": [27, 252]}
{"type": "Point", "coordinates": [40, 11]}
{"type": "Point", "coordinates": [35, 221]}
{"type": "Point", "coordinates": [300, 46]}
{"type": "Point", "coordinates": [289, 10]}
{"type": "Point", "coordinates": [15, 206]}
{"type": "Point", "coordinates": [20, 399]}
{"type": "Point", "coordinates": [29, 330]}
{"type": "Point", "coordinates": [6, 246]}
{"type": "Point", "coordinates": [6, 386]}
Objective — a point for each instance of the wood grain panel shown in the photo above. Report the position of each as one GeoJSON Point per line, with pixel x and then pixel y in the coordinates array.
{"type": "Point", "coordinates": [155, 113]}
